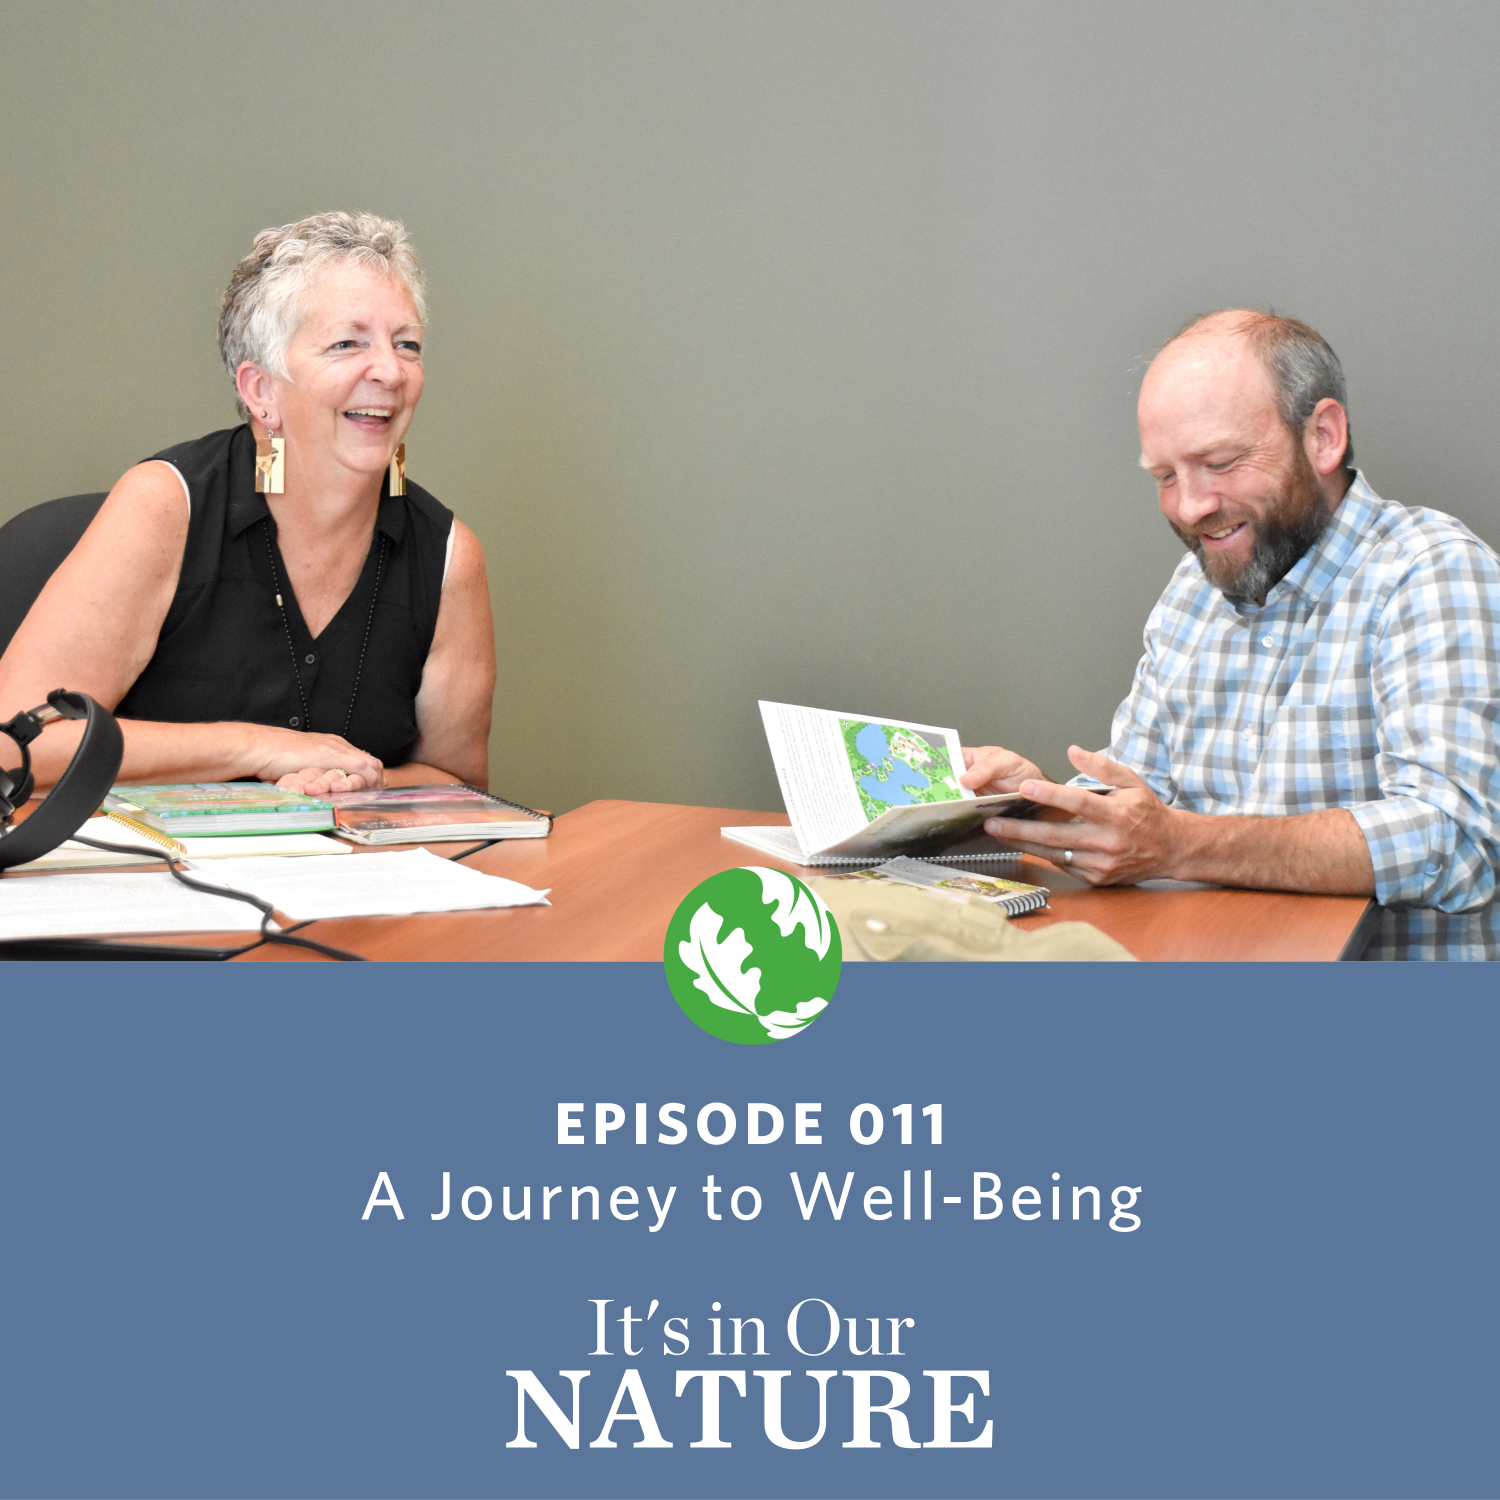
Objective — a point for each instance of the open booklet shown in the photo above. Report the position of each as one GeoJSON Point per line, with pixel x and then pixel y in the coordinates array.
{"type": "Point", "coordinates": [859, 789]}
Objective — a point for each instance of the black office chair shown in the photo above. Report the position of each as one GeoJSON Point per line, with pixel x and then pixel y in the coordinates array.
{"type": "Point", "coordinates": [32, 545]}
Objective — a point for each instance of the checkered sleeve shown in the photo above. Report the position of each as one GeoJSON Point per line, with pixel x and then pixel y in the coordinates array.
{"type": "Point", "coordinates": [1135, 735]}
{"type": "Point", "coordinates": [1434, 835]}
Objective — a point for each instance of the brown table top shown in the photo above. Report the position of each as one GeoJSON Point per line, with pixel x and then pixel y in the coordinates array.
{"type": "Point", "coordinates": [617, 871]}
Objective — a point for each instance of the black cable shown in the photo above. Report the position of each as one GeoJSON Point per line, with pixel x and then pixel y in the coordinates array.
{"type": "Point", "coordinates": [78, 949]}
{"type": "Point", "coordinates": [473, 849]}
{"type": "Point", "coordinates": [265, 908]}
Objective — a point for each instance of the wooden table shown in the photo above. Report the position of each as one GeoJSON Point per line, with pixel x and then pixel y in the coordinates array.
{"type": "Point", "coordinates": [618, 870]}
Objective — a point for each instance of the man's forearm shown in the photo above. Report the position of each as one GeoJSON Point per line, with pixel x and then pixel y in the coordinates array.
{"type": "Point", "coordinates": [1323, 853]}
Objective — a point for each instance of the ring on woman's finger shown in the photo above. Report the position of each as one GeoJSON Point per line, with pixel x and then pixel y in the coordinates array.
{"type": "Point", "coordinates": [1067, 856]}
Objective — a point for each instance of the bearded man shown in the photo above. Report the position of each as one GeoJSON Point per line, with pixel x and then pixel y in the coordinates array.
{"type": "Point", "coordinates": [1316, 709]}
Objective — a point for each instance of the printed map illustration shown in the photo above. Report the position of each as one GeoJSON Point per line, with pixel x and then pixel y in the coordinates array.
{"type": "Point", "coordinates": [897, 767]}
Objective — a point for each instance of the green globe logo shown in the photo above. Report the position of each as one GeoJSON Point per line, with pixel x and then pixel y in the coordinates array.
{"type": "Point", "coordinates": [752, 955]}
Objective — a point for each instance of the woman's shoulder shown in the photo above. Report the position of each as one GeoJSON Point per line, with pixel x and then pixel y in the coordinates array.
{"type": "Point", "coordinates": [428, 507]}
{"type": "Point", "coordinates": [202, 453]}
{"type": "Point", "coordinates": [428, 520]}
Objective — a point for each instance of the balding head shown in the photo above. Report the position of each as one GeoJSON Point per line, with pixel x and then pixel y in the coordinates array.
{"type": "Point", "coordinates": [1208, 389]}
{"type": "Point", "coordinates": [1298, 361]}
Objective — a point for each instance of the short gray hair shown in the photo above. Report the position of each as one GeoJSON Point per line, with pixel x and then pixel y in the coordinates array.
{"type": "Point", "coordinates": [1303, 368]}
{"type": "Point", "coordinates": [262, 306]}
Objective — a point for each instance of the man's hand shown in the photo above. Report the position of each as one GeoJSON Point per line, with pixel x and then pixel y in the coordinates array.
{"type": "Point", "coordinates": [1118, 839]}
{"type": "Point", "coordinates": [1131, 835]}
{"type": "Point", "coordinates": [992, 768]}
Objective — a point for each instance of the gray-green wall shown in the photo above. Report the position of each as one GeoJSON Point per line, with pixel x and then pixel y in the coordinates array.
{"type": "Point", "coordinates": [777, 349]}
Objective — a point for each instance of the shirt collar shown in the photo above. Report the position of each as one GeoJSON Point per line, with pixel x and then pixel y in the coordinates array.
{"type": "Point", "coordinates": [1317, 568]}
{"type": "Point", "coordinates": [246, 507]}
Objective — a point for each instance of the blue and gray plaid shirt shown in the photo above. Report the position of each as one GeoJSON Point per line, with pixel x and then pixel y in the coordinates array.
{"type": "Point", "coordinates": [1370, 679]}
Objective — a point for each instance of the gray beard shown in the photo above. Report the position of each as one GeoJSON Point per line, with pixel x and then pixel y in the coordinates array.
{"type": "Point", "coordinates": [1278, 549]}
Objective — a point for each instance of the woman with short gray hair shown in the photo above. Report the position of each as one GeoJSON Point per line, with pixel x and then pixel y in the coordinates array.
{"type": "Point", "coordinates": [277, 601]}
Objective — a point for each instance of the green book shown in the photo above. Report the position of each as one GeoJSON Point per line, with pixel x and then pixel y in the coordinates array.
{"type": "Point", "coordinates": [207, 808]}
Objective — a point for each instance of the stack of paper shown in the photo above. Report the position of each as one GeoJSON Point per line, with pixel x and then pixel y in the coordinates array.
{"type": "Point", "coordinates": [44, 906]}
{"type": "Point", "coordinates": [394, 884]}
{"type": "Point", "coordinates": [374, 885]}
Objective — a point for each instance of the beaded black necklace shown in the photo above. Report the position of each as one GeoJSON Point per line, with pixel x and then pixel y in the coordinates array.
{"type": "Point", "coordinates": [286, 626]}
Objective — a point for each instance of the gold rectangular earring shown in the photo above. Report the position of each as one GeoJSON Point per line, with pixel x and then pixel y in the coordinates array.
{"type": "Point", "coordinates": [270, 466]}
{"type": "Point", "coordinates": [398, 470]}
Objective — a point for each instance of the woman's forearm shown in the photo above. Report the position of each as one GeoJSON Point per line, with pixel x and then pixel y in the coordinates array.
{"type": "Point", "coordinates": [154, 752]}
{"type": "Point", "coordinates": [223, 751]}
{"type": "Point", "coordinates": [414, 773]}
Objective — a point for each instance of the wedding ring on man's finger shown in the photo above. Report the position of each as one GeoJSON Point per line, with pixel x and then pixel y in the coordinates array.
{"type": "Point", "coordinates": [1067, 856]}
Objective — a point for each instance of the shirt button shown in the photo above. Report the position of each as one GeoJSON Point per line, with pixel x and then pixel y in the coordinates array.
{"type": "Point", "coordinates": [294, 721]}
{"type": "Point", "coordinates": [309, 658]}
{"type": "Point", "coordinates": [1267, 640]}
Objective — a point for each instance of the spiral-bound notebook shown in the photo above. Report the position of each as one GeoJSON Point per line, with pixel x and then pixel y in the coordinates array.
{"type": "Point", "coordinates": [1013, 897]}
{"type": "Point", "coordinates": [859, 789]}
{"type": "Point", "coordinates": [780, 841]}
{"type": "Point", "coordinates": [432, 815]}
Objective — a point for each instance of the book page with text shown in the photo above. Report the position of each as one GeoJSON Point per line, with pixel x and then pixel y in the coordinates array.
{"type": "Point", "coordinates": [840, 771]}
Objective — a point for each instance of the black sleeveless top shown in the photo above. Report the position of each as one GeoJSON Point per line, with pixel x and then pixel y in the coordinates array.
{"type": "Point", "coordinates": [222, 652]}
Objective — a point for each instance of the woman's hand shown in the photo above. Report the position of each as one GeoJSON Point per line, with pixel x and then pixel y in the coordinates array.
{"type": "Point", "coordinates": [313, 763]}
{"type": "Point", "coordinates": [314, 781]}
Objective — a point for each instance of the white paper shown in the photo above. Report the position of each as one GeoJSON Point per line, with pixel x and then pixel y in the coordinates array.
{"type": "Point", "coordinates": [370, 885]}
{"type": "Point", "coordinates": [816, 783]}
{"type": "Point", "coordinates": [106, 905]}
{"type": "Point", "coordinates": [773, 839]}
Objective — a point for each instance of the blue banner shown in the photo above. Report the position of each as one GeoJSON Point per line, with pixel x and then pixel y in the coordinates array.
{"type": "Point", "coordinates": [525, 1230]}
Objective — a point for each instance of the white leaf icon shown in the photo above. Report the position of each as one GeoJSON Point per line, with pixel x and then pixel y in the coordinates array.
{"type": "Point", "coordinates": [796, 906]}
{"type": "Point", "coordinates": [784, 1023]}
{"type": "Point", "coordinates": [720, 966]}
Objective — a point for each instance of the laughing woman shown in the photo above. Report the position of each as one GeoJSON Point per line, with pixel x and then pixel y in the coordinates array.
{"type": "Point", "coordinates": [275, 601]}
